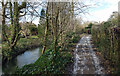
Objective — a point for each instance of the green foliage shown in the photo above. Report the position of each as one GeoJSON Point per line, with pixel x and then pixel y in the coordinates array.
{"type": "Point", "coordinates": [48, 63]}
{"type": "Point", "coordinates": [22, 45]}
{"type": "Point", "coordinates": [41, 25]}
{"type": "Point", "coordinates": [33, 28]}
{"type": "Point", "coordinates": [42, 13]}
{"type": "Point", "coordinates": [73, 37]}
{"type": "Point", "coordinates": [76, 38]}
{"type": "Point", "coordinates": [88, 29]}
{"type": "Point", "coordinates": [90, 25]}
{"type": "Point", "coordinates": [107, 40]}
{"type": "Point", "coordinates": [41, 31]}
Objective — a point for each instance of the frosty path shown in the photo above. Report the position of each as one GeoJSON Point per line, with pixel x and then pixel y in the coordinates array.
{"type": "Point", "coordinates": [85, 59]}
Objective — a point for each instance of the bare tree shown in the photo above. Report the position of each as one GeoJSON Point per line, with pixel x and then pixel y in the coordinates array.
{"type": "Point", "coordinates": [14, 16]}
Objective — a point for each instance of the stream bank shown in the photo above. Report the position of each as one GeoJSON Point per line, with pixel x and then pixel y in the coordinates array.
{"type": "Point", "coordinates": [28, 57]}
{"type": "Point", "coordinates": [22, 46]}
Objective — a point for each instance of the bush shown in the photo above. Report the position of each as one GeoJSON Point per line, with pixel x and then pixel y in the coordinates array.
{"type": "Point", "coordinates": [107, 40]}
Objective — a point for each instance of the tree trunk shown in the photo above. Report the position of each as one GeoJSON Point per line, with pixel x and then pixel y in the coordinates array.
{"type": "Point", "coordinates": [11, 14]}
{"type": "Point", "coordinates": [46, 31]}
{"type": "Point", "coordinates": [15, 22]}
{"type": "Point", "coordinates": [4, 35]}
{"type": "Point", "coordinates": [55, 33]}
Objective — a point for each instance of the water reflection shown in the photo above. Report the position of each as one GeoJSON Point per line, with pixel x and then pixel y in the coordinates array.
{"type": "Point", "coordinates": [27, 57]}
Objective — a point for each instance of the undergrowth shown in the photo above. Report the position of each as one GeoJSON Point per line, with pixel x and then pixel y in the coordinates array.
{"type": "Point", "coordinates": [48, 63]}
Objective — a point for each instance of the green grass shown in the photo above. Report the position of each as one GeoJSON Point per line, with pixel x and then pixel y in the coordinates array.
{"type": "Point", "coordinates": [34, 37]}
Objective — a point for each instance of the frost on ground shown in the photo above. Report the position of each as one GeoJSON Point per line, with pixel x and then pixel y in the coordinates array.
{"type": "Point", "coordinates": [85, 59]}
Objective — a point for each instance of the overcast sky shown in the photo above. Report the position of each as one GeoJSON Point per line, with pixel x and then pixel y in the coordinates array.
{"type": "Point", "coordinates": [100, 10]}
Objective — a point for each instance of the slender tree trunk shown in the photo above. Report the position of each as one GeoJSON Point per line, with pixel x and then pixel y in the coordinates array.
{"type": "Point", "coordinates": [55, 33]}
{"type": "Point", "coordinates": [3, 23]}
{"type": "Point", "coordinates": [4, 35]}
{"type": "Point", "coordinates": [15, 22]}
{"type": "Point", "coordinates": [73, 27]}
{"type": "Point", "coordinates": [46, 31]}
{"type": "Point", "coordinates": [53, 27]}
{"type": "Point", "coordinates": [11, 14]}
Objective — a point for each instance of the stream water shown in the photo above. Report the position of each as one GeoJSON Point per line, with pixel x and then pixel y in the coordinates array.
{"type": "Point", "coordinates": [27, 57]}
{"type": "Point", "coordinates": [85, 59]}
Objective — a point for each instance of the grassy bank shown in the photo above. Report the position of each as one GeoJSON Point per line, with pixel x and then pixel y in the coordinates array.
{"type": "Point", "coordinates": [50, 63]}
{"type": "Point", "coordinates": [22, 45]}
